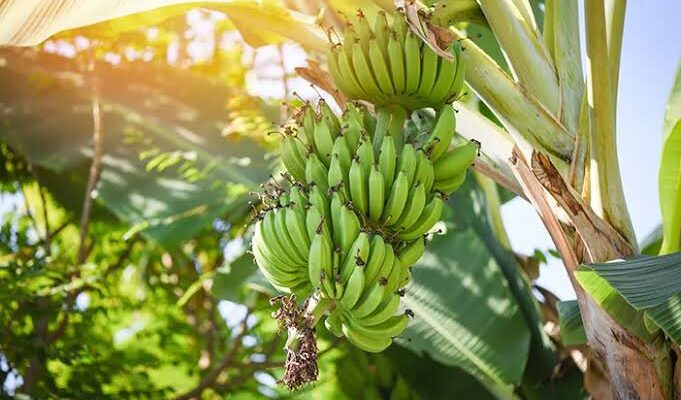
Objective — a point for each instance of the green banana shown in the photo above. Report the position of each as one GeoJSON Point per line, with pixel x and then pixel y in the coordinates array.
{"type": "Point", "coordinates": [412, 56]}
{"type": "Point", "coordinates": [316, 173]}
{"type": "Point", "coordinates": [307, 123]}
{"type": "Point", "coordinates": [400, 26]}
{"type": "Point", "coordinates": [396, 62]}
{"type": "Point", "coordinates": [339, 288]}
{"type": "Point", "coordinates": [297, 197]}
{"type": "Point", "coordinates": [296, 226]}
{"type": "Point", "coordinates": [376, 193]}
{"type": "Point", "coordinates": [335, 268]}
{"type": "Point", "coordinates": [442, 134]}
{"type": "Point", "coordinates": [349, 228]}
{"type": "Point", "coordinates": [428, 72]}
{"type": "Point", "coordinates": [386, 162]}
{"type": "Point", "coordinates": [302, 289]}
{"type": "Point", "coordinates": [412, 252]}
{"type": "Point", "coordinates": [363, 31]}
{"type": "Point", "coordinates": [363, 72]}
{"type": "Point", "coordinates": [370, 300]}
{"type": "Point", "coordinates": [395, 277]}
{"type": "Point", "coordinates": [397, 199]}
{"type": "Point", "coordinates": [369, 122]}
{"type": "Point", "coordinates": [366, 343]}
{"type": "Point", "coordinates": [313, 219]}
{"type": "Point", "coordinates": [323, 140]}
{"type": "Point", "coordinates": [317, 198]}
{"type": "Point", "coordinates": [334, 70]}
{"type": "Point", "coordinates": [424, 171]}
{"type": "Point", "coordinates": [385, 310]}
{"type": "Point", "coordinates": [450, 184]}
{"type": "Point", "coordinates": [383, 116]}
{"type": "Point", "coordinates": [407, 162]}
{"type": "Point", "coordinates": [426, 220]}
{"type": "Point", "coordinates": [348, 74]}
{"type": "Point", "coordinates": [377, 253]}
{"type": "Point", "coordinates": [327, 288]}
{"type": "Point", "coordinates": [329, 117]}
{"type": "Point", "coordinates": [361, 197]}
{"type": "Point", "coordinates": [456, 88]}
{"type": "Point", "coordinates": [349, 37]}
{"type": "Point", "coordinates": [413, 209]}
{"type": "Point", "coordinates": [353, 288]}
{"type": "Point", "coordinates": [335, 208]}
{"type": "Point", "coordinates": [283, 200]}
{"type": "Point", "coordinates": [320, 259]}
{"type": "Point", "coordinates": [405, 275]}
{"type": "Point", "coordinates": [352, 129]}
{"type": "Point", "coordinates": [365, 153]}
{"type": "Point", "coordinates": [445, 77]}
{"type": "Point", "coordinates": [358, 187]}
{"type": "Point", "coordinates": [270, 262]}
{"type": "Point", "coordinates": [274, 242]}
{"type": "Point", "coordinates": [337, 177]}
{"type": "Point", "coordinates": [391, 327]}
{"type": "Point", "coordinates": [386, 265]}
{"type": "Point", "coordinates": [380, 67]}
{"type": "Point", "coordinates": [299, 253]}
{"type": "Point", "coordinates": [456, 161]}
{"type": "Point", "coordinates": [357, 253]}
{"type": "Point", "coordinates": [382, 32]}
{"type": "Point", "coordinates": [342, 151]}
{"type": "Point", "coordinates": [293, 161]}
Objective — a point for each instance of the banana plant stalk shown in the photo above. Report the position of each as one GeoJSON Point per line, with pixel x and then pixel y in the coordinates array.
{"type": "Point", "coordinates": [563, 135]}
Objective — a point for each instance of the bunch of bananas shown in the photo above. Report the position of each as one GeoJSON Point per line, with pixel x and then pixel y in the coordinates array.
{"type": "Point", "coordinates": [390, 65]}
{"type": "Point", "coordinates": [363, 192]}
{"type": "Point", "coordinates": [354, 218]}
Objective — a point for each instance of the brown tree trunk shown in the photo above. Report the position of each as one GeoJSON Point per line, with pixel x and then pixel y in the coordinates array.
{"type": "Point", "coordinates": [636, 370]}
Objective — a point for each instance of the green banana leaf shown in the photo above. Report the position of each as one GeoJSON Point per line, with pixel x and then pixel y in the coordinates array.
{"type": "Point", "coordinates": [670, 171]}
{"type": "Point", "coordinates": [239, 277]}
{"type": "Point", "coordinates": [146, 108]}
{"type": "Point", "coordinates": [641, 289]}
{"type": "Point", "coordinates": [465, 314]}
{"type": "Point", "coordinates": [571, 325]}
{"type": "Point", "coordinates": [29, 22]}
{"type": "Point", "coordinates": [433, 380]}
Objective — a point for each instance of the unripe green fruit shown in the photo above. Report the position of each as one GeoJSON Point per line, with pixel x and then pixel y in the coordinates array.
{"type": "Point", "coordinates": [393, 66]}
{"type": "Point", "coordinates": [354, 220]}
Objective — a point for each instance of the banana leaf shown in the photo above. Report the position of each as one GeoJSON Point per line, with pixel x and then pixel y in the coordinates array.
{"type": "Point", "coordinates": [145, 108]}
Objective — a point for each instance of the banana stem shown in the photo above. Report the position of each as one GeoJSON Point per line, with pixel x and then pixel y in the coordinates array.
{"type": "Point", "coordinates": [607, 194]}
{"type": "Point", "coordinates": [672, 237]}
{"type": "Point", "coordinates": [316, 307]}
{"type": "Point", "coordinates": [390, 120]}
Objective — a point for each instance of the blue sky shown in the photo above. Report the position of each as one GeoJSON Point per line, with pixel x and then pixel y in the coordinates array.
{"type": "Point", "coordinates": [651, 51]}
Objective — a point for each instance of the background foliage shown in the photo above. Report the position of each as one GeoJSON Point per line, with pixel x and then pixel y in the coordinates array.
{"type": "Point", "coordinates": [152, 293]}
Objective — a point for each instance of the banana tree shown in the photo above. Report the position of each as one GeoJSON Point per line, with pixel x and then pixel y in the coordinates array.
{"type": "Point", "coordinates": [561, 153]}
{"type": "Point", "coordinates": [550, 137]}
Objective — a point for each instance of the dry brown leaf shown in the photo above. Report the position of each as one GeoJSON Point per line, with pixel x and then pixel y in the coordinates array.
{"type": "Point", "coordinates": [535, 193]}
{"type": "Point", "coordinates": [435, 37]}
{"type": "Point", "coordinates": [314, 74]}
{"type": "Point", "coordinates": [601, 241]}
